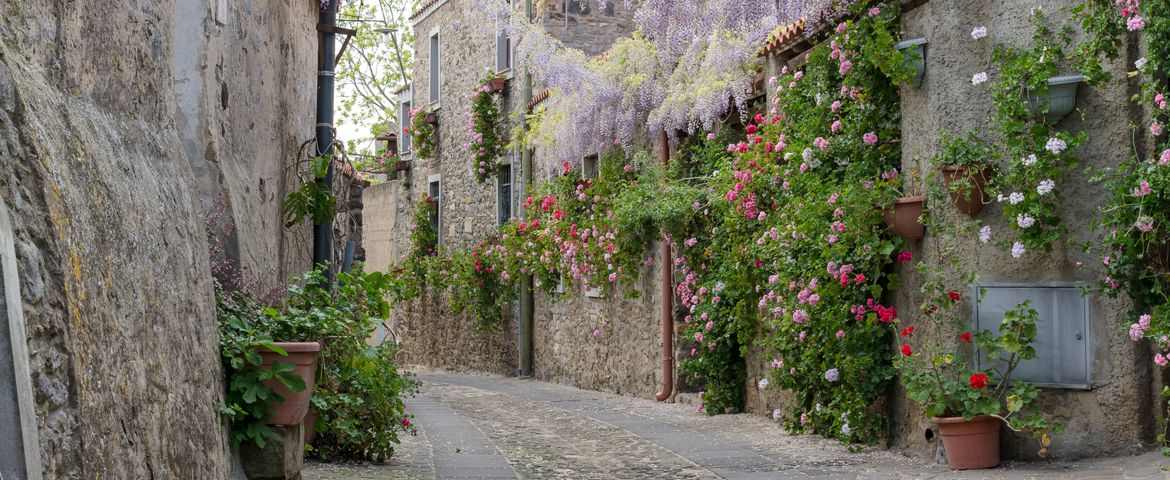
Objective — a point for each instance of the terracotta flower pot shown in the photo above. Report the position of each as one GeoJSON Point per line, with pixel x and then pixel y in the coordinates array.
{"type": "Point", "coordinates": [310, 423]}
{"type": "Point", "coordinates": [970, 444]}
{"type": "Point", "coordinates": [497, 84]}
{"type": "Point", "coordinates": [431, 118]}
{"type": "Point", "coordinates": [969, 198]}
{"type": "Point", "coordinates": [303, 356]}
{"type": "Point", "coordinates": [903, 217]}
{"type": "Point", "coordinates": [401, 166]}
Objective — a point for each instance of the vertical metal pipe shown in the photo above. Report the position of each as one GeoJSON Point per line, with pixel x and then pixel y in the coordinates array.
{"type": "Point", "coordinates": [323, 233]}
{"type": "Point", "coordinates": [527, 302]}
{"type": "Point", "coordinates": [667, 299]}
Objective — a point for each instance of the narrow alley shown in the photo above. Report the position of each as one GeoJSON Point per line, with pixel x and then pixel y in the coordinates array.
{"type": "Point", "coordinates": [497, 427]}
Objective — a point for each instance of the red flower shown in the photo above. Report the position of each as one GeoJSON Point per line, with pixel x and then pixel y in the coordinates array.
{"type": "Point", "coordinates": [908, 331]}
{"type": "Point", "coordinates": [858, 279]}
{"type": "Point", "coordinates": [906, 350]}
{"type": "Point", "coordinates": [887, 314]}
{"type": "Point", "coordinates": [751, 129]}
{"type": "Point", "coordinates": [954, 295]}
{"type": "Point", "coordinates": [406, 422]}
{"type": "Point", "coordinates": [905, 256]}
{"type": "Point", "coordinates": [966, 337]}
{"type": "Point", "coordinates": [978, 380]}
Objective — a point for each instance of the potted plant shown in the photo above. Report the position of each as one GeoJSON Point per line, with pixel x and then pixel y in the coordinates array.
{"type": "Point", "coordinates": [966, 164]}
{"type": "Point", "coordinates": [969, 405]}
{"type": "Point", "coordinates": [422, 131]}
{"type": "Point", "coordinates": [904, 217]}
{"type": "Point", "coordinates": [1057, 100]}
{"type": "Point", "coordinates": [496, 83]}
{"type": "Point", "coordinates": [485, 136]}
{"type": "Point", "coordinates": [295, 358]}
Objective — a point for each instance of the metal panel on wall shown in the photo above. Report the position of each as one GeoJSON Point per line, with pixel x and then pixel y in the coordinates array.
{"type": "Point", "coordinates": [1063, 354]}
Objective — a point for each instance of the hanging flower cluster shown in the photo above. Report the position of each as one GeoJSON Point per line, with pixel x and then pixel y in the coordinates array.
{"type": "Point", "coordinates": [485, 138]}
{"type": "Point", "coordinates": [422, 132]}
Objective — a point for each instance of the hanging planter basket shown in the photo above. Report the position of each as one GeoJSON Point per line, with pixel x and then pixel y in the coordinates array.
{"type": "Point", "coordinates": [1061, 99]}
{"type": "Point", "coordinates": [903, 217]}
{"type": "Point", "coordinates": [915, 52]}
{"type": "Point", "coordinates": [971, 194]}
{"type": "Point", "coordinates": [496, 84]}
{"type": "Point", "coordinates": [970, 444]}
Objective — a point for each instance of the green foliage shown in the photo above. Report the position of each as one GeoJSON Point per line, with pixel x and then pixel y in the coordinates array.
{"type": "Point", "coordinates": [313, 199]}
{"type": "Point", "coordinates": [485, 140]}
{"type": "Point", "coordinates": [424, 237]}
{"type": "Point", "coordinates": [248, 401]}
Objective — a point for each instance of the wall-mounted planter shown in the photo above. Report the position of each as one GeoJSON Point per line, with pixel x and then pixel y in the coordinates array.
{"type": "Point", "coordinates": [496, 84]}
{"type": "Point", "coordinates": [431, 118]}
{"type": "Point", "coordinates": [1061, 99]}
{"type": "Point", "coordinates": [915, 52]}
{"type": "Point", "coordinates": [757, 86]}
{"type": "Point", "coordinates": [971, 197]}
{"type": "Point", "coordinates": [303, 356]}
{"type": "Point", "coordinates": [903, 217]}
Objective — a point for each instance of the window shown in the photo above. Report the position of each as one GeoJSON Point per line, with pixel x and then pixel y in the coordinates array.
{"type": "Point", "coordinates": [404, 120]}
{"type": "Point", "coordinates": [589, 167]}
{"type": "Point", "coordinates": [504, 194]}
{"type": "Point", "coordinates": [503, 51]}
{"type": "Point", "coordinates": [435, 190]}
{"type": "Point", "coordinates": [434, 73]}
{"type": "Point", "coordinates": [1063, 353]}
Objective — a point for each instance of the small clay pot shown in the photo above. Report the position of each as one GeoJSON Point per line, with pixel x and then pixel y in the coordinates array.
{"type": "Point", "coordinates": [303, 356]}
{"type": "Point", "coordinates": [968, 198]}
{"type": "Point", "coordinates": [496, 84]}
{"type": "Point", "coordinates": [970, 444]}
{"type": "Point", "coordinates": [903, 217]}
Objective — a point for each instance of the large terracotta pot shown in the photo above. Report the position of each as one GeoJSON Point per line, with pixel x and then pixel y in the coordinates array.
{"type": "Point", "coordinates": [303, 356]}
{"type": "Point", "coordinates": [903, 217]}
{"type": "Point", "coordinates": [970, 444]}
{"type": "Point", "coordinates": [310, 426]}
{"type": "Point", "coordinates": [969, 198]}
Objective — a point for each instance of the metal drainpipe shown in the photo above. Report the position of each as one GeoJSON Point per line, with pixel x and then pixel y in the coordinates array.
{"type": "Point", "coordinates": [667, 301]}
{"type": "Point", "coordinates": [323, 233]}
{"type": "Point", "coordinates": [526, 299]}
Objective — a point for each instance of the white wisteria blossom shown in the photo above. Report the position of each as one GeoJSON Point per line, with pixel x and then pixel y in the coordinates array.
{"type": "Point", "coordinates": [1029, 160]}
{"type": "Point", "coordinates": [985, 234]}
{"type": "Point", "coordinates": [1056, 145]}
{"type": "Point", "coordinates": [1025, 220]}
{"type": "Point", "coordinates": [1018, 250]}
{"type": "Point", "coordinates": [1045, 187]}
{"type": "Point", "coordinates": [1015, 198]}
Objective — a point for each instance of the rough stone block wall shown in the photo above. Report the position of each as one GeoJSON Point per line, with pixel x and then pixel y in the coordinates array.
{"type": "Point", "coordinates": [110, 147]}
{"type": "Point", "coordinates": [580, 24]}
{"type": "Point", "coordinates": [1109, 418]}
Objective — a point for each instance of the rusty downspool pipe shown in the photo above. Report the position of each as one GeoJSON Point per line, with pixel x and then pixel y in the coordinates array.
{"type": "Point", "coordinates": [667, 301]}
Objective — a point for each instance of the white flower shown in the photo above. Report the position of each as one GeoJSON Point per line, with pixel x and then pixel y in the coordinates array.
{"type": "Point", "coordinates": [1018, 250]}
{"type": "Point", "coordinates": [979, 78]}
{"type": "Point", "coordinates": [1029, 160]}
{"type": "Point", "coordinates": [1140, 63]}
{"type": "Point", "coordinates": [777, 415]}
{"type": "Point", "coordinates": [845, 429]}
{"type": "Point", "coordinates": [1025, 221]}
{"type": "Point", "coordinates": [985, 234]}
{"type": "Point", "coordinates": [979, 32]}
{"type": "Point", "coordinates": [763, 383]}
{"type": "Point", "coordinates": [1056, 145]}
{"type": "Point", "coordinates": [1015, 197]}
{"type": "Point", "coordinates": [807, 155]}
{"type": "Point", "coordinates": [1045, 187]}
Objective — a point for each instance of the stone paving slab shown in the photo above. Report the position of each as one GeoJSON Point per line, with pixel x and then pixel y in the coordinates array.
{"type": "Point", "coordinates": [496, 427]}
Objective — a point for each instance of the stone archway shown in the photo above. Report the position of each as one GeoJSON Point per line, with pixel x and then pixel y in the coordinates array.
{"type": "Point", "coordinates": [19, 449]}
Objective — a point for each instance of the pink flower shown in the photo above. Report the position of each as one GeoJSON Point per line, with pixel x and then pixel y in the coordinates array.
{"type": "Point", "coordinates": [835, 106]}
{"type": "Point", "coordinates": [1156, 129]}
{"type": "Point", "coordinates": [870, 138]}
{"type": "Point", "coordinates": [699, 337]}
{"type": "Point", "coordinates": [1160, 360]}
{"type": "Point", "coordinates": [836, 127]}
{"type": "Point", "coordinates": [1144, 322]}
{"type": "Point", "coordinates": [845, 67]}
{"type": "Point", "coordinates": [1142, 189]}
{"type": "Point", "coordinates": [1165, 158]}
{"type": "Point", "coordinates": [840, 334]}
{"type": "Point", "coordinates": [1135, 23]}
{"type": "Point", "coordinates": [875, 11]}
{"type": "Point", "coordinates": [821, 143]}
{"type": "Point", "coordinates": [800, 316]}
{"type": "Point", "coordinates": [1136, 332]}
{"type": "Point", "coordinates": [905, 256]}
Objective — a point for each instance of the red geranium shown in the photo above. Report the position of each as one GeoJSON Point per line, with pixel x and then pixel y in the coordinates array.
{"type": "Point", "coordinates": [966, 337]}
{"type": "Point", "coordinates": [906, 350]}
{"type": "Point", "coordinates": [954, 295]}
{"type": "Point", "coordinates": [978, 380]}
{"type": "Point", "coordinates": [908, 331]}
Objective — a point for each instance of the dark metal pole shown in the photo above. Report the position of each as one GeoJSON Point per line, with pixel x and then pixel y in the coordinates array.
{"type": "Point", "coordinates": [323, 233]}
{"type": "Point", "coordinates": [527, 301]}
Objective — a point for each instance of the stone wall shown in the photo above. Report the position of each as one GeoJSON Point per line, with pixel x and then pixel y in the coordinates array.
{"type": "Point", "coordinates": [120, 122]}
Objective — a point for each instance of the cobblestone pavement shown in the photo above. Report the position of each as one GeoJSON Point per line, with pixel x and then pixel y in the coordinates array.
{"type": "Point", "coordinates": [495, 427]}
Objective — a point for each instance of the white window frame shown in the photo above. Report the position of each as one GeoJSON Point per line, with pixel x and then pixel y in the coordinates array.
{"type": "Point", "coordinates": [405, 103]}
{"type": "Point", "coordinates": [596, 157]}
{"type": "Point", "coordinates": [437, 178]}
{"type": "Point", "coordinates": [435, 68]}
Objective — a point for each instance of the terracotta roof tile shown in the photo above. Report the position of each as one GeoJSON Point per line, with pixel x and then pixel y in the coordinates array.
{"type": "Point", "coordinates": [782, 36]}
{"type": "Point", "coordinates": [539, 97]}
{"type": "Point", "coordinates": [423, 8]}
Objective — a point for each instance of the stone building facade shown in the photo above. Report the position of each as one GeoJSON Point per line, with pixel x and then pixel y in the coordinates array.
{"type": "Point", "coordinates": [1108, 414]}
{"type": "Point", "coordinates": [124, 124]}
